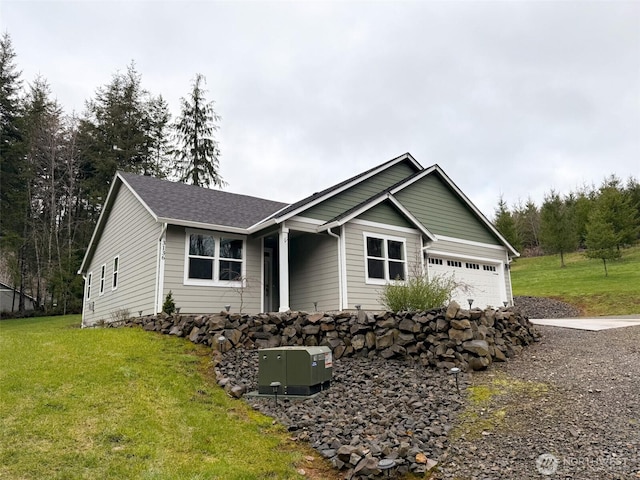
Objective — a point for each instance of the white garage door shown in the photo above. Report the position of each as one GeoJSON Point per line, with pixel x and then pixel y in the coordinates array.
{"type": "Point", "coordinates": [477, 280]}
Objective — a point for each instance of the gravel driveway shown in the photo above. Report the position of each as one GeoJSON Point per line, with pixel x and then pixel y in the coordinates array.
{"type": "Point", "coordinates": [574, 395]}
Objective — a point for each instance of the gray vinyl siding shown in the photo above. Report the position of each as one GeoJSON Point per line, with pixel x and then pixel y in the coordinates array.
{"type": "Point", "coordinates": [358, 291]}
{"type": "Point", "coordinates": [442, 212]}
{"type": "Point", "coordinates": [201, 299]}
{"type": "Point", "coordinates": [313, 272]}
{"type": "Point", "coordinates": [343, 201]}
{"type": "Point", "coordinates": [387, 214]}
{"type": "Point", "coordinates": [130, 232]}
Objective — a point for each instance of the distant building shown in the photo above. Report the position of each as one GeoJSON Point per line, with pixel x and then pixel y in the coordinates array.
{"type": "Point", "coordinates": [10, 300]}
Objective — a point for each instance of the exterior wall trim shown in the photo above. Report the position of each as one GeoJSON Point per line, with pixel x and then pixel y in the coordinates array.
{"type": "Point", "coordinates": [468, 242]}
{"type": "Point", "coordinates": [369, 223]}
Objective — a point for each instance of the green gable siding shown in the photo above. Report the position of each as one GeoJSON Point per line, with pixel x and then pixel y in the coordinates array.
{"type": "Point", "coordinates": [334, 206]}
{"type": "Point", "coordinates": [442, 212]}
{"type": "Point", "coordinates": [387, 214]}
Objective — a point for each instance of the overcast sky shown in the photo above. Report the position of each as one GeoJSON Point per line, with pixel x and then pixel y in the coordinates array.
{"type": "Point", "coordinates": [511, 98]}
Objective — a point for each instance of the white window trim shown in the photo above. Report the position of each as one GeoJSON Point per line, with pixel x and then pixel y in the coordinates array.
{"type": "Point", "coordinates": [385, 238]}
{"type": "Point", "coordinates": [216, 260]}
{"type": "Point", "coordinates": [89, 279]}
{"type": "Point", "coordinates": [103, 275]}
{"type": "Point", "coordinates": [115, 274]}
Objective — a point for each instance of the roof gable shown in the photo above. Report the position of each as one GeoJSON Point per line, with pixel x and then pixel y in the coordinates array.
{"type": "Point", "coordinates": [358, 187]}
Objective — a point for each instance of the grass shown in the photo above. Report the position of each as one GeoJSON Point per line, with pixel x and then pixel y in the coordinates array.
{"type": "Point", "coordinates": [124, 403]}
{"type": "Point", "coordinates": [582, 282]}
{"type": "Point", "coordinates": [491, 402]}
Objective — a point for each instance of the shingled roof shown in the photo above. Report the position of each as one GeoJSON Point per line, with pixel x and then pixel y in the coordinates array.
{"type": "Point", "coordinates": [186, 203]}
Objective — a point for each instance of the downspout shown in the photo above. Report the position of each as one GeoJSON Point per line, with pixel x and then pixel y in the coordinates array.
{"type": "Point", "coordinates": [159, 269]}
{"type": "Point", "coordinates": [507, 271]}
{"type": "Point", "coordinates": [340, 279]}
{"type": "Point", "coordinates": [84, 299]}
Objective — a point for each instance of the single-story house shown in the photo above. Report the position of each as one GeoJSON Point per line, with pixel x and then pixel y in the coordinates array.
{"type": "Point", "coordinates": [10, 300]}
{"type": "Point", "coordinates": [330, 251]}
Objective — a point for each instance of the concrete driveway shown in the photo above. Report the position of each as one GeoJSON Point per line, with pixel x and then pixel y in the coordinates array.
{"type": "Point", "coordinates": [594, 323]}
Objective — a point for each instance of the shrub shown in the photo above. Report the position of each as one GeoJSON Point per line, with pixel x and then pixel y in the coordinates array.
{"type": "Point", "coordinates": [418, 294]}
{"type": "Point", "coordinates": [169, 306]}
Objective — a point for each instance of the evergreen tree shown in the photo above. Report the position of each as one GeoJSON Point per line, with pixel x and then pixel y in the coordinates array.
{"type": "Point", "coordinates": [506, 224]}
{"type": "Point", "coordinates": [120, 132]}
{"type": "Point", "coordinates": [527, 221]}
{"type": "Point", "coordinates": [13, 195]}
{"type": "Point", "coordinates": [601, 238]}
{"type": "Point", "coordinates": [557, 227]}
{"type": "Point", "coordinates": [618, 210]}
{"type": "Point", "coordinates": [197, 153]}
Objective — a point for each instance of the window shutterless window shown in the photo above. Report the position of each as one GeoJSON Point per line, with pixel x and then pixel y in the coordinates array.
{"type": "Point", "coordinates": [89, 277]}
{"type": "Point", "coordinates": [116, 265]}
{"type": "Point", "coordinates": [385, 258]}
{"type": "Point", "coordinates": [103, 271]}
{"type": "Point", "coordinates": [213, 259]}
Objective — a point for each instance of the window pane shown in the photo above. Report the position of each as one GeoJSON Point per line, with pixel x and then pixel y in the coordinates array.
{"type": "Point", "coordinates": [374, 247]}
{"type": "Point", "coordinates": [230, 248]}
{"type": "Point", "coordinates": [396, 270]}
{"type": "Point", "coordinates": [395, 250]}
{"type": "Point", "coordinates": [376, 268]}
{"type": "Point", "coordinates": [115, 280]}
{"type": "Point", "coordinates": [230, 270]}
{"type": "Point", "coordinates": [115, 264]}
{"type": "Point", "coordinates": [202, 245]}
{"type": "Point", "coordinates": [201, 268]}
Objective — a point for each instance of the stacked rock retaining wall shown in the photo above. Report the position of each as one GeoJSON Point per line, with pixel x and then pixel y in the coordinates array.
{"type": "Point", "coordinates": [443, 338]}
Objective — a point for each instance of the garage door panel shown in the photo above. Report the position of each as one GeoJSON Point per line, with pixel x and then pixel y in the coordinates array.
{"type": "Point", "coordinates": [479, 281]}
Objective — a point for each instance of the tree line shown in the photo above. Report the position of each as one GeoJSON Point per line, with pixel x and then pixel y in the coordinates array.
{"type": "Point", "coordinates": [600, 221]}
{"type": "Point", "coordinates": [56, 169]}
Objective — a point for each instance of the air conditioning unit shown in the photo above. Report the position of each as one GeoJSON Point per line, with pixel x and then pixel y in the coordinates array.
{"type": "Point", "coordinates": [297, 370]}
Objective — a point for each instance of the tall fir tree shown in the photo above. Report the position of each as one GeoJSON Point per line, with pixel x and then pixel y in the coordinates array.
{"type": "Point", "coordinates": [197, 153]}
{"type": "Point", "coordinates": [506, 224]}
{"type": "Point", "coordinates": [557, 227]}
{"type": "Point", "coordinates": [119, 132]}
{"type": "Point", "coordinates": [601, 239]}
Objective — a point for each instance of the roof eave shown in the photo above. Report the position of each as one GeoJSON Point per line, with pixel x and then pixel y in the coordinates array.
{"type": "Point", "coordinates": [375, 171]}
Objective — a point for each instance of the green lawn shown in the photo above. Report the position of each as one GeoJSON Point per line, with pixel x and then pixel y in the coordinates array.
{"type": "Point", "coordinates": [124, 404]}
{"type": "Point", "coordinates": [582, 282]}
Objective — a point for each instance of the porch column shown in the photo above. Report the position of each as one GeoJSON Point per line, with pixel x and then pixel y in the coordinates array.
{"type": "Point", "coordinates": [283, 263]}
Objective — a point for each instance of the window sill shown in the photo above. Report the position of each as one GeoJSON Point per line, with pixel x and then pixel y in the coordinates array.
{"type": "Point", "coordinates": [212, 283]}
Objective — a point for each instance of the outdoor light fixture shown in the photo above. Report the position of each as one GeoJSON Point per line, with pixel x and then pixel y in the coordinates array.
{"type": "Point", "coordinates": [358, 306]}
{"type": "Point", "coordinates": [274, 387]}
{"type": "Point", "coordinates": [470, 300]}
{"type": "Point", "coordinates": [221, 340]}
{"type": "Point", "coordinates": [227, 308]}
{"type": "Point", "coordinates": [315, 306]}
{"type": "Point", "coordinates": [456, 371]}
{"type": "Point", "coordinates": [139, 313]}
{"type": "Point", "coordinates": [505, 304]}
{"type": "Point", "coordinates": [387, 464]}
{"type": "Point", "coordinates": [178, 310]}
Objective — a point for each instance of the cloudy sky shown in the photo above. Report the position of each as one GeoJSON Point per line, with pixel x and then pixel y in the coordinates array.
{"type": "Point", "coordinates": [509, 98]}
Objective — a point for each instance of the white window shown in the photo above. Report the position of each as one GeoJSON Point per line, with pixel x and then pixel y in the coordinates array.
{"type": "Point", "coordinates": [385, 258]}
{"type": "Point", "coordinates": [89, 277]}
{"type": "Point", "coordinates": [213, 259]}
{"type": "Point", "coordinates": [116, 266]}
{"type": "Point", "coordinates": [103, 271]}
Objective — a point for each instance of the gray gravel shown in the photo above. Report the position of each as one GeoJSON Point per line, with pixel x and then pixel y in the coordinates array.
{"type": "Point", "coordinates": [574, 395]}
{"type": "Point", "coordinates": [540, 307]}
{"type": "Point", "coordinates": [581, 403]}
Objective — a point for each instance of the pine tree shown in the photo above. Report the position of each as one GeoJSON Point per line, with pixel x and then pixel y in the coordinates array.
{"type": "Point", "coordinates": [197, 153]}
{"type": "Point", "coordinates": [557, 227]}
{"type": "Point", "coordinates": [506, 224]}
{"type": "Point", "coordinates": [601, 238]}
